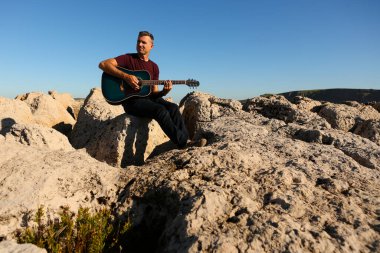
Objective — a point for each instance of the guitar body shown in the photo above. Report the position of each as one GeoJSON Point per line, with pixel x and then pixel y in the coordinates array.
{"type": "Point", "coordinates": [116, 90]}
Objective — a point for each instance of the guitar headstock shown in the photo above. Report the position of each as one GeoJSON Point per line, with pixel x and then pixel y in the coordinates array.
{"type": "Point", "coordinates": [192, 83]}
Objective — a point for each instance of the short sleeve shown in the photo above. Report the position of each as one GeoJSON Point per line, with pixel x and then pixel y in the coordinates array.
{"type": "Point", "coordinates": [156, 72]}
{"type": "Point", "coordinates": [121, 60]}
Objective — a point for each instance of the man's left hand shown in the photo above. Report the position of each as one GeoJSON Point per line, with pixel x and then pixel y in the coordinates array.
{"type": "Point", "coordinates": [168, 85]}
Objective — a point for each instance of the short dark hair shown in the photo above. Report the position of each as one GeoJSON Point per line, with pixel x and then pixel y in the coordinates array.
{"type": "Point", "coordinates": [146, 33]}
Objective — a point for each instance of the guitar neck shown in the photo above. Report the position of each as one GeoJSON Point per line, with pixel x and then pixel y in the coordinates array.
{"type": "Point", "coordinates": [160, 82]}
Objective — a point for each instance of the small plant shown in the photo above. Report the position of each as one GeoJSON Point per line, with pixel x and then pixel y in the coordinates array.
{"type": "Point", "coordinates": [88, 232]}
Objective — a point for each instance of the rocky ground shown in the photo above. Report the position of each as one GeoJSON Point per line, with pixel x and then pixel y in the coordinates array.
{"type": "Point", "coordinates": [275, 176]}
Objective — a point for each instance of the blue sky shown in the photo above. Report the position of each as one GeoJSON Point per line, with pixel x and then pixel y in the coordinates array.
{"type": "Point", "coordinates": [236, 49]}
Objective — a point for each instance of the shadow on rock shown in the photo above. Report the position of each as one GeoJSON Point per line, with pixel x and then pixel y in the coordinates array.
{"type": "Point", "coordinates": [64, 128]}
{"type": "Point", "coordinates": [163, 148]}
{"type": "Point", "coordinates": [6, 125]}
{"type": "Point", "coordinates": [136, 142]}
{"type": "Point", "coordinates": [158, 222]}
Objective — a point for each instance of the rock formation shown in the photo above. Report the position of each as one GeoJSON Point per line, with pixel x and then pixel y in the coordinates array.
{"type": "Point", "coordinates": [259, 187]}
{"type": "Point", "coordinates": [69, 103]}
{"type": "Point", "coordinates": [275, 176]}
{"type": "Point", "coordinates": [344, 117]}
{"type": "Point", "coordinates": [49, 112]}
{"type": "Point", "coordinates": [109, 135]}
{"type": "Point", "coordinates": [32, 176]}
{"type": "Point", "coordinates": [13, 247]}
{"type": "Point", "coordinates": [369, 129]}
{"type": "Point", "coordinates": [12, 111]}
{"type": "Point", "coordinates": [92, 117]}
{"type": "Point", "coordinates": [38, 136]}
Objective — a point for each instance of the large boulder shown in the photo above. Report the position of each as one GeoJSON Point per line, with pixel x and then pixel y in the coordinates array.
{"type": "Point", "coordinates": [369, 129]}
{"type": "Point", "coordinates": [110, 135]}
{"type": "Point", "coordinates": [126, 140]}
{"type": "Point", "coordinates": [272, 107]}
{"type": "Point", "coordinates": [198, 108]}
{"type": "Point", "coordinates": [49, 112]}
{"type": "Point", "coordinates": [278, 107]}
{"type": "Point", "coordinates": [305, 103]}
{"type": "Point", "coordinates": [32, 176]}
{"type": "Point", "coordinates": [375, 105]}
{"type": "Point", "coordinates": [13, 111]}
{"type": "Point", "coordinates": [345, 116]}
{"type": "Point", "coordinates": [72, 106]}
{"type": "Point", "coordinates": [93, 116]}
{"type": "Point", "coordinates": [38, 136]}
{"type": "Point", "coordinates": [13, 247]}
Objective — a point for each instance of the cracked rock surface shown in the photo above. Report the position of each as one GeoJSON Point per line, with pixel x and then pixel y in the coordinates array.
{"type": "Point", "coordinates": [275, 176]}
{"type": "Point", "coordinates": [259, 185]}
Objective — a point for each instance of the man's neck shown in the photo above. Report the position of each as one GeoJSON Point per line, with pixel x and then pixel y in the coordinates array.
{"type": "Point", "coordinates": [144, 57]}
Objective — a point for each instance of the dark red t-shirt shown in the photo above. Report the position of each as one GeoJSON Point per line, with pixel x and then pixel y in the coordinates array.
{"type": "Point", "coordinates": [133, 62]}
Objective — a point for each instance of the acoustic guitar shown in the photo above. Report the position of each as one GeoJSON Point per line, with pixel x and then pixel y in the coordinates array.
{"type": "Point", "coordinates": [116, 90]}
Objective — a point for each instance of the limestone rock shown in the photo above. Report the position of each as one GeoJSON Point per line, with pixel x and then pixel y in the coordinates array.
{"type": "Point", "coordinates": [13, 247]}
{"type": "Point", "coordinates": [366, 111]}
{"type": "Point", "coordinates": [272, 178]}
{"type": "Point", "coordinates": [126, 140]}
{"type": "Point", "coordinates": [39, 136]}
{"type": "Point", "coordinates": [358, 148]}
{"type": "Point", "coordinates": [344, 117]}
{"type": "Point", "coordinates": [13, 111]}
{"type": "Point", "coordinates": [49, 112]}
{"type": "Point", "coordinates": [78, 103]}
{"type": "Point", "coordinates": [198, 108]}
{"type": "Point", "coordinates": [272, 107]}
{"type": "Point", "coordinates": [255, 188]}
{"type": "Point", "coordinates": [279, 107]}
{"type": "Point", "coordinates": [192, 107]}
{"type": "Point", "coordinates": [30, 96]}
{"type": "Point", "coordinates": [68, 102]}
{"type": "Point", "coordinates": [92, 117]}
{"type": "Point", "coordinates": [375, 105]}
{"type": "Point", "coordinates": [369, 129]}
{"type": "Point", "coordinates": [110, 135]}
{"type": "Point", "coordinates": [305, 103]}
{"type": "Point", "coordinates": [31, 176]}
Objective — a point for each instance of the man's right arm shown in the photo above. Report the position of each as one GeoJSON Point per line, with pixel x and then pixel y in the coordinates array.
{"type": "Point", "coordinates": [110, 67]}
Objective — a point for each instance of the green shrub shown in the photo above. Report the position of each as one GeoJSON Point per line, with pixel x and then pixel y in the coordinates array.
{"type": "Point", "coordinates": [87, 232]}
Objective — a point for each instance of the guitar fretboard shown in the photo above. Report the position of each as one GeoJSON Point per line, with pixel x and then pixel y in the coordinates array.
{"type": "Point", "coordinates": [160, 82]}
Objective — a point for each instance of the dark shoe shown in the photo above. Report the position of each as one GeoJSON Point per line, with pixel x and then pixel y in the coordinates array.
{"type": "Point", "coordinates": [199, 143]}
{"type": "Point", "coordinates": [202, 142]}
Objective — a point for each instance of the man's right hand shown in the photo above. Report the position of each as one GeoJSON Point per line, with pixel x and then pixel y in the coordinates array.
{"type": "Point", "coordinates": [132, 81]}
{"type": "Point", "coordinates": [110, 66]}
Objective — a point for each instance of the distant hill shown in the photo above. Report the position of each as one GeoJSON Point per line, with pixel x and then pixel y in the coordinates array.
{"type": "Point", "coordinates": [337, 95]}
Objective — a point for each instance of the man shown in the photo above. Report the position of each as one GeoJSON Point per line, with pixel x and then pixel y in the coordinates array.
{"type": "Point", "coordinates": [165, 113]}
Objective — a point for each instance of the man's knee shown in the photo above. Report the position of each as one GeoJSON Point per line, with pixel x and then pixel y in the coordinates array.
{"type": "Point", "coordinates": [173, 108]}
{"type": "Point", "coordinates": [161, 112]}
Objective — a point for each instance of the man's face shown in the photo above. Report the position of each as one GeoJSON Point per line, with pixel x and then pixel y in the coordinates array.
{"type": "Point", "coordinates": [144, 45]}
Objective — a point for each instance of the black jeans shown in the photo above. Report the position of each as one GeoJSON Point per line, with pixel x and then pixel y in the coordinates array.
{"type": "Point", "coordinates": [167, 115]}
